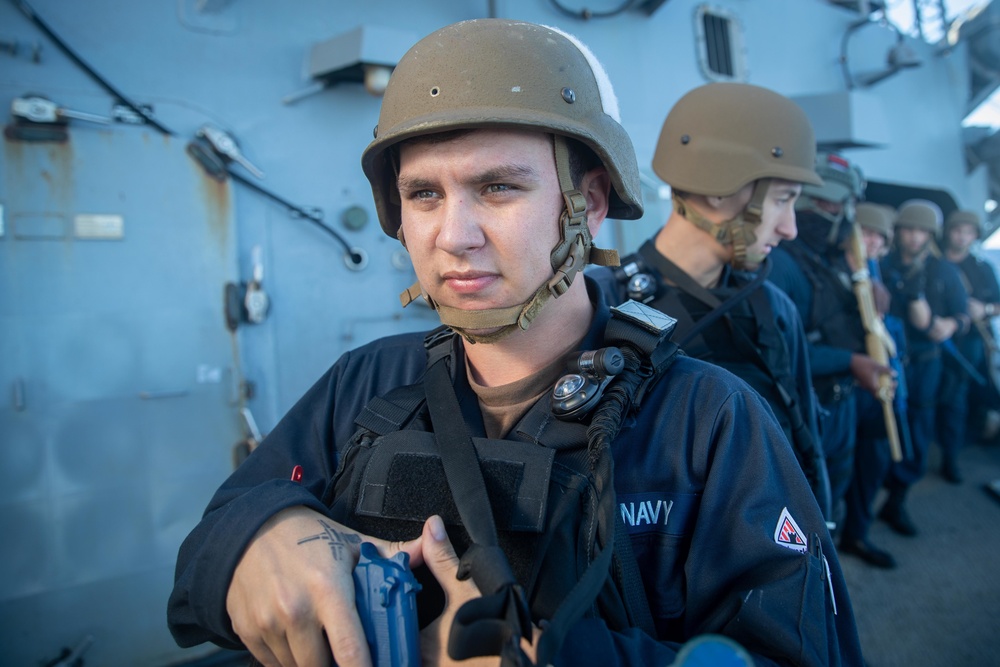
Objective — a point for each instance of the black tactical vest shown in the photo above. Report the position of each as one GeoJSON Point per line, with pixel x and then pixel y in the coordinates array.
{"type": "Point", "coordinates": [739, 334]}
{"type": "Point", "coordinates": [834, 319]}
{"type": "Point", "coordinates": [551, 493]}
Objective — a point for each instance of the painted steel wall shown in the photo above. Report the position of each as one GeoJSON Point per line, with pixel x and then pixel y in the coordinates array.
{"type": "Point", "coordinates": [131, 384]}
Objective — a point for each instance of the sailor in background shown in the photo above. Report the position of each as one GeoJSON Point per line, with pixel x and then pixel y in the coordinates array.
{"type": "Point", "coordinates": [962, 230]}
{"type": "Point", "coordinates": [927, 294]}
{"type": "Point", "coordinates": [813, 270]}
{"type": "Point", "coordinates": [733, 201]}
{"type": "Point", "coordinates": [871, 452]}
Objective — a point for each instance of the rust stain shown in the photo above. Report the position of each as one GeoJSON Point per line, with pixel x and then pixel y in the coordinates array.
{"type": "Point", "coordinates": [217, 196]}
{"type": "Point", "coordinates": [40, 172]}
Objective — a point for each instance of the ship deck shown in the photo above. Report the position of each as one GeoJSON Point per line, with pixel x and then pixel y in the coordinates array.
{"type": "Point", "coordinates": [940, 607]}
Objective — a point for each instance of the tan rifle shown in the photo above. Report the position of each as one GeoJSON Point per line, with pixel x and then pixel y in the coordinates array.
{"type": "Point", "coordinates": [878, 343]}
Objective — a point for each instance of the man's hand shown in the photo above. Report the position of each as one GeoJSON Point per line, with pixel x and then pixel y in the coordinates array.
{"type": "Point", "coordinates": [919, 313]}
{"type": "Point", "coordinates": [291, 599]}
{"type": "Point", "coordinates": [440, 559]}
{"type": "Point", "coordinates": [867, 372]}
{"type": "Point", "coordinates": [881, 297]}
{"type": "Point", "coordinates": [977, 309]}
{"type": "Point", "coordinates": [942, 328]}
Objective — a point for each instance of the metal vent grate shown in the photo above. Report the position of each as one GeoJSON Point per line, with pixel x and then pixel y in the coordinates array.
{"type": "Point", "coordinates": [717, 47]}
{"type": "Point", "coordinates": [720, 44]}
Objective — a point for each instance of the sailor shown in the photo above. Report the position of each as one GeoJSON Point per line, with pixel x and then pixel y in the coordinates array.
{"type": "Point", "coordinates": [927, 294]}
{"type": "Point", "coordinates": [813, 270]}
{"type": "Point", "coordinates": [498, 154]}
{"type": "Point", "coordinates": [872, 453]}
{"type": "Point", "coordinates": [962, 229]}
{"type": "Point", "coordinates": [734, 187]}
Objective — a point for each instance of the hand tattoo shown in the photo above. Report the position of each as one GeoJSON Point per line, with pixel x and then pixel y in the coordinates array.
{"type": "Point", "coordinates": [337, 539]}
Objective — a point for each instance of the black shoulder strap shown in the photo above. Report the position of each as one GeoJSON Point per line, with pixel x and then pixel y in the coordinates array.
{"type": "Point", "coordinates": [395, 410]}
{"type": "Point", "coordinates": [686, 283]}
{"type": "Point", "coordinates": [494, 623]}
{"type": "Point", "coordinates": [391, 413]}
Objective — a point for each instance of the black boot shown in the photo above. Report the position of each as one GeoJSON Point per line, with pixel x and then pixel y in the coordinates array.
{"type": "Point", "coordinates": [950, 471]}
{"type": "Point", "coordinates": [869, 553]}
{"type": "Point", "coordinates": [894, 513]}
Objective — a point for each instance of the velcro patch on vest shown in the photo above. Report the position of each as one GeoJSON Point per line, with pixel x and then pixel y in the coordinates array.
{"type": "Point", "coordinates": [663, 513]}
{"type": "Point", "coordinates": [405, 480]}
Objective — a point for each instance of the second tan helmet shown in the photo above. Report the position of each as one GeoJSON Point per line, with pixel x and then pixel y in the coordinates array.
{"type": "Point", "coordinates": [721, 136]}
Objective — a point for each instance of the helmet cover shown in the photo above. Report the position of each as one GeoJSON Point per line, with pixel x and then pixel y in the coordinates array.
{"type": "Point", "coordinates": [963, 217]}
{"type": "Point", "coordinates": [919, 214]}
{"type": "Point", "coordinates": [498, 73]}
{"type": "Point", "coordinates": [877, 218]}
{"type": "Point", "coordinates": [721, 136]}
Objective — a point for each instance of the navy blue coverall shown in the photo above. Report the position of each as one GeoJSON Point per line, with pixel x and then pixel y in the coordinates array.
{"type": "Point", "coordinates": [726, 560]}
{"type": "Point", "coordinates": [942, 287]}
{"type": "Point", "coordinates": [829, 356]}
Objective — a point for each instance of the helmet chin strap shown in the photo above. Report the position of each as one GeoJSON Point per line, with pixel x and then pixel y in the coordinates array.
{"type": "Point", "coordinates": [737, 232]}
{"type": "Point", "coordinates": [573, 252]}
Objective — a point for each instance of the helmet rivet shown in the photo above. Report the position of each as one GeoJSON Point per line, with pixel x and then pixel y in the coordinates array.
{"type": "Point", "coordinates": [375, 132]}
{"type": "Point", "coordinates": [435, 91]}
{"type": "Point", "coordinates": [685, 140]}
{"type": "Point", "coordinates": [777, 152]}
{"type": "Point", "coordinates": [568, 95]}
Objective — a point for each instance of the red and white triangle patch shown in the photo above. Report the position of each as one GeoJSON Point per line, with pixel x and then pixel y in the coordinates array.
{"type": "Point", "coordinates": [788, 534]}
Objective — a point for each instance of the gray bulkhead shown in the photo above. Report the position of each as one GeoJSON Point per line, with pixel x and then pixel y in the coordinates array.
{"type": "Point", "coordinates": [124, 389]}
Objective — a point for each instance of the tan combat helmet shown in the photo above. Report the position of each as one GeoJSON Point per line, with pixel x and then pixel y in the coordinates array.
{"type": "Point", "coordinates": [843, 184]}
{"type": "Point", "coordinates": [920, 214]}
{"type": "Point", "coordinates": [720, 137]}
{"type": "Point", "coordinates": [497, 73]}
{"type": "Point", "coordinates": [956, 218]}
{"type": "Point", "coordinates": [877, 218]}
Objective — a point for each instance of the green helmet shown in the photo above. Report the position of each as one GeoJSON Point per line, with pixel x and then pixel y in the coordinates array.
{"type": "Point", "coordinates": [956, 218]}
{"type": "Point", "coordinates": [842, 181]}
{"type": "Point", "coordinates": [721, 136]}
{"type": "Point", "coordinates": [877, 218]}
{"type": "Point", "coordinates": [920, 214]}
{"type": "Point", "coordinates": [843, 186]}
{"type": "Point", "coordinates": [495, 74]}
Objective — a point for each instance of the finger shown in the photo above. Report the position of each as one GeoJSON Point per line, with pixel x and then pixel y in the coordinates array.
{"type": "Point", "coordinates": [281, 653]}
{"type": "Point", "coordinates": [309, 647]}
{"type": "Point", "coordinates": [345, 636]}
{"type": "Point", "coordinates": [265, 639]}
{"type": "Point", "coordinates": [439, 554]}
{"type": "Point", "coordinates": [440, 559]}
{"type": "Point", "coordinates": [349, 648]}
{"type": "Point", "coordinates": [413, 548]}
{"type": "Point", "coordinates": [262, 654]}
